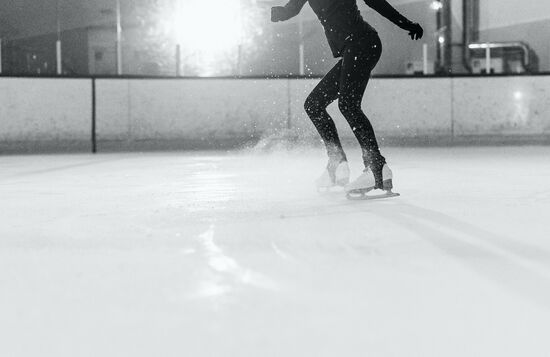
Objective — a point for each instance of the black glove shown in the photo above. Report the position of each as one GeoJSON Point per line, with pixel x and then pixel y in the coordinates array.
{"type": "Point", "coordinates": [278, 13]}
{"type": "Point", "coordinates": [415, 31]}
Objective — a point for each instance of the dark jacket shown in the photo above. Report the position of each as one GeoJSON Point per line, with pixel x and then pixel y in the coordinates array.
{"type": "Point", "coordinates": [342, 20]}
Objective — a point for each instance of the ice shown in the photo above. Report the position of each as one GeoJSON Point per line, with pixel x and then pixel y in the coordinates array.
{"type": "Point", "coordinates": [236, 254]}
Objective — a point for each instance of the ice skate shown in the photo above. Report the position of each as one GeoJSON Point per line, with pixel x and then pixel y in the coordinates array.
{"type": "Point", "coordinates": [359, 189]}
{"type": "Point", "coordinates": [333, 177]}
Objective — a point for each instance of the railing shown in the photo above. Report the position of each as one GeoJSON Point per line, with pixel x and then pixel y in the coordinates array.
{"type": "Point", "coordinates": [523, 47]}
{"type": "Point", "coordinates": [133, 40]}
{"type": "Point", "coordinates": [114, 113]}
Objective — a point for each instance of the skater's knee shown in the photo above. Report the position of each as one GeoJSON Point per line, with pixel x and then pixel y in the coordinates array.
{"type": "Point", "coordinates": [349, 108]}
{"type": "Point", "coordinates": [313, 107]}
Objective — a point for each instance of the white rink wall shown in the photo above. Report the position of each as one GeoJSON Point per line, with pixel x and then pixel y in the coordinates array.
{"type": "Point", "coordinates": [189, 110]}
{"type": "Point", "coordinates": [185, 113]}
{"type": "Point", "coordinates": [43, 113]}
{"type": "Point", "coordinates": [502, 106]}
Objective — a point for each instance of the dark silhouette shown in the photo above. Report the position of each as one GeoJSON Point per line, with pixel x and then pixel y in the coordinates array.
{"type": "Point", "coordinates": [357, 44]}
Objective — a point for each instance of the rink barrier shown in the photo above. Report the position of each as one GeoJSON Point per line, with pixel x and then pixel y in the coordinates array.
{"type": "Point", "coordinates": [181, 113]}
{"type": "Point", "coordinates": [46, 114]}
{"type": "Point", "coordinates": [273, 76]}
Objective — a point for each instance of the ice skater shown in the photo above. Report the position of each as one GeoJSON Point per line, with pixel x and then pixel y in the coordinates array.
{"type": "Point", "coordinates": [358, 46]}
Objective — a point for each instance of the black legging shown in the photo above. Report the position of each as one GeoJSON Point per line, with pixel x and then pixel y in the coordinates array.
{"type": "Point", "coordinates": [347, 82]}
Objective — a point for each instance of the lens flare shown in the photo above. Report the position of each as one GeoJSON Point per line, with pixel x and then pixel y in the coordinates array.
{"type": "Point", "coordinates": [436, 5]}
{"type": "Point", "coordinates": [209, 26]}
{"type": "Point", "coordinates": [205, 30]}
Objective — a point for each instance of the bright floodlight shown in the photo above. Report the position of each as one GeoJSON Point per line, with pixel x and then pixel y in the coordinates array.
{"type": "Point", "coordinates": [209, 27]}
{"type": "Point", "coordinates": [436, 5]}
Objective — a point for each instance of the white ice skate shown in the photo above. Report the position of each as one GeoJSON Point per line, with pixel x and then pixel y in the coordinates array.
{"type": "Point", "coordinates": [340, 177]}
{"type": "Point", "coordinates": [359, 189]}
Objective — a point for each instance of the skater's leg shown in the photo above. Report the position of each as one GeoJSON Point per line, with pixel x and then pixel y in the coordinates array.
{"type": "Point", "coordinates": [358, 61]}
{"type": "Point", "coordinates": [316, 105]}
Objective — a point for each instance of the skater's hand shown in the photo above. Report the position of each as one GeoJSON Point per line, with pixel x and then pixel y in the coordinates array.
{"type": "Point", "coordinates": [415, 31]}
{"type": "Point", "coordinates": [278, 13]}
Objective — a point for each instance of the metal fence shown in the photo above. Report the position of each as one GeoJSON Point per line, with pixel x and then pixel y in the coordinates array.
{"type": "Point", "coordinates": [236, 38]}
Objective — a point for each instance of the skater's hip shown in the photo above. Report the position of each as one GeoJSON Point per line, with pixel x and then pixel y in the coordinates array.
{"type": "Point", "coordinates": [365, 48]}
{"type": "Point", "coordinates": [364, 41]}
{"type": "Point", "coordinates": [341, 36]}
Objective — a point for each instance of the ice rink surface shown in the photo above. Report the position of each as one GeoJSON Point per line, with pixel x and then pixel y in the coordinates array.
{"type": "Point", "coordinates": [236, 254]}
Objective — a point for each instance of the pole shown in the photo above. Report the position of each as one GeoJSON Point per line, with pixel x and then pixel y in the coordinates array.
{"type": "Point", "coordinates": [118, 39]}
{"type": "Point", "coordinates": [58, 53]}
{"type": "Point", "coordinates": [289, 104]}
{"type": "Point", "coordinates": [240, 59]}
{"type": "Point", "coordinates": [241, 41]}
{"type": "Point", "coordinates": [178, 60]}
{"type": "Point", "coordinates": [425, 58]}
{"type": "Point", "coordinates": [488, 58]}
{"type": "Point", "coordinates": [94, 114]}
{"type": "Point", "coordinates": [448, 46]}
{"type": "Point", "coordinates": [0, 56]}
{"type": "Point", "coordinates": [58, 57]}
{"type": "Point", "coordinates": [438, 56]}
{"type": "Point", "coordinates": [301, 47]}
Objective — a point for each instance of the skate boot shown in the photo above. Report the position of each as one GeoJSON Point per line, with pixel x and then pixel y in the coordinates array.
{"type": "Point", "coordinates": [334, 175]}
{"type": "Point", "coordinates": [359, 189]}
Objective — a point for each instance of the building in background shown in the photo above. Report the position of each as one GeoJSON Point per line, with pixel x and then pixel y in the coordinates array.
{"type": "Point", "coordinates": [89, 46]}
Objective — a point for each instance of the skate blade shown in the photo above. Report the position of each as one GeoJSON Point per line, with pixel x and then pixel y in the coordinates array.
{"type": "Point", "coordinates": [360, 195]}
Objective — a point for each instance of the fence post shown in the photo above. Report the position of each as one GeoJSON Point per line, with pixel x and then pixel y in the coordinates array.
{"type": "Point", "coordinates": [301, 46]}
{"type": "Point", "coordinates": [58, 60]}
{"type": "Point", "coordinates": [0, 56]}
{"type": "Point", "coordinates": [58, 57]}
{"type": "Point", "coordinates": [118, 39]}
{"type": "Point", "coordinates": [94, 135]}
{"type": "Point", "coordinates": [453, 134]}
{"type": "Point", "coordinates": [289, 104]}
{"type": "Point", "coordinates": [178, 60]}
{"type": "Point", "coordinates": [425, 58]}
{"type": "Point", "coordinates": [488, 58]}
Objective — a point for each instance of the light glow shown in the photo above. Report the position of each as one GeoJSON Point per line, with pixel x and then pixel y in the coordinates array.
{"type": "Point", "coordinates": [206, 29]}
{"type": "Point", "coordinates": [436, 5]}
{"type": "Point", "coordinates": [209, 26]}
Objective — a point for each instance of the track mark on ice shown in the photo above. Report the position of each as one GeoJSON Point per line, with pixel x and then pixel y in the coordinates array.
{"type": "Point", "coordinates": [282, 254]}
{"type": "Point", "coordinates": [476, 249]}
{"type": "Point", "coordinates": [229, 272]}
